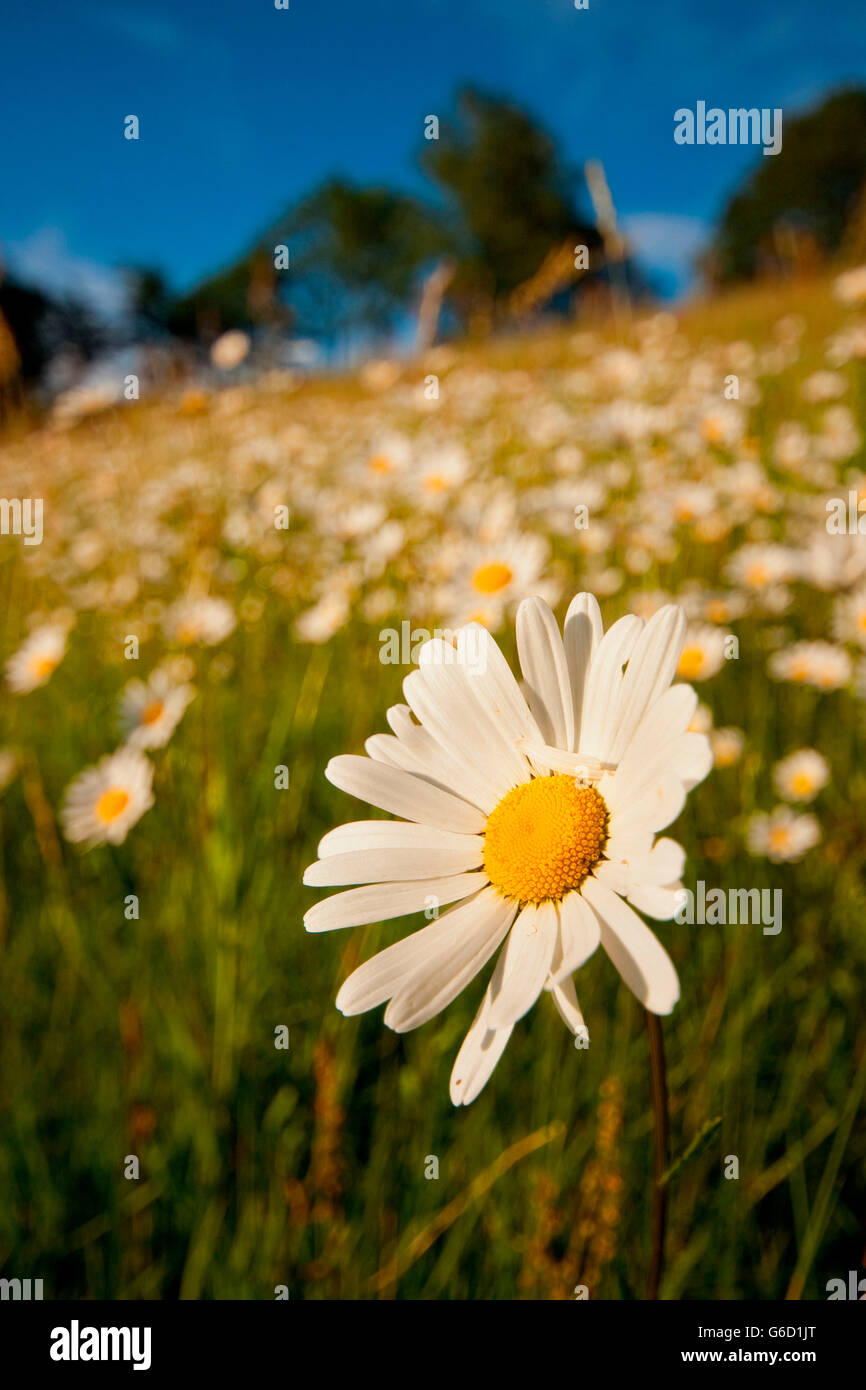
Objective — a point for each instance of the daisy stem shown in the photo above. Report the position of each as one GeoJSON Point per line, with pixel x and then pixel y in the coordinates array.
{"type": "Point", "coordinates": [658, 1075]}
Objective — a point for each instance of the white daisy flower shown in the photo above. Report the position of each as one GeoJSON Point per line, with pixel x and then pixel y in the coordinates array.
{"type": "Point", "coordinates": [492, 575]}
{"type": "Point", "coordinates": [757, 567]}
{"type": "Point", "coordinates": [727, 745]}
{"type": "Point", "coordinates": [37, 658]}
{"type": "Point", "coordinates": [230, 349]}
{"type": "Point", "coordinates": [801, 775]}
{"type": "Point", "coordinates": [534, 816]}
{"type": "Point", "coordinates": [104, 802]}
{"type": "Point", "coordinates": [849, 616]}
{"type": "Point", "coordinates": [151, 710]}
{"type": "Point", "coordinates": [204, 620]}
{"type": "Point", "coordinates": [703, 653]}
{"type": "Point", "coordinates": [782, 836]}
{"type": "Point", "coordinates": [812, 663]}
{"type": "Point", "coordinates": [850, 287]}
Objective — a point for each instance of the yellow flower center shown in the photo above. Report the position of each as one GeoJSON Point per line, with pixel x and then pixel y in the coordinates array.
{"type": "Point", "coordinates": [780, 838]}
{"type": "Point", "coordinates": [757, 575]}
{"type": "Point", "coordinates": [691, 663]}
{"type": "Point", "coordinates": [434, 482]}
{"type": "Point", "coordinates": [543, 838]}
{"type": "Point", "coordinates": [153, 713]}
{"type": "Point", "coordinates": [112, 804]}
{"type": "Point", "coordinates": [492, 578]}
{"type": "Point", "coordinates": [380, 463]}
{"type": "Point", "coordinates": [801, 784]}
{"type": "Point", "coordinates": [42, 666]}
{"type": "Point", "coordinates": [187, 631]}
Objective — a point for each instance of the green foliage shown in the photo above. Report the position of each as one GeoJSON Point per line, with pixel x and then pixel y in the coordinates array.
{"type": "Point", "coordinates": [811, 186]}
{"type": "Point", "coordinates": [510, 194]}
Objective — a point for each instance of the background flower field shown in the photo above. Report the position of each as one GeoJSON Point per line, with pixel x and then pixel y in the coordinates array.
{"type": "Point", "coordinates": [412, 490]}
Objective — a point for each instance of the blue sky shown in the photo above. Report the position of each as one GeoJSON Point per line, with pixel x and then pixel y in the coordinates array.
{"type": "Point", "coordinates": [244, 107]}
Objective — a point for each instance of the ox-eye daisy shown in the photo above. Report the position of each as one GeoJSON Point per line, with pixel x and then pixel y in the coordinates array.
{"type": "Point", "coordinates": [535, 817]}
{"type": "Point", "coordinates": [37, 658]}
{"type": "Point", "coordinates": [801, 775]}
{"type": "Point", "coordinates": [151, 710]}
{"type": "Point", "coordinates": [782, 836]}
{"type": "Point", "coordinates": [105, 801]}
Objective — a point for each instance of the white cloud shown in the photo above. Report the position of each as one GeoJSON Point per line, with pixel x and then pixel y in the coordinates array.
{"type": "Point", "coordinates": [44, 261]}
{"type": "Point", "coordinates": [668, 243]}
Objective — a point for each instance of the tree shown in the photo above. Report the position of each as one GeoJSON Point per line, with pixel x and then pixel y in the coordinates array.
{"type": "Point", "coordinates": [511, 199]}
{"type": "Point", "coordinates": [809, 190]}
{"type": "Point", "coordinates": [356, 258]}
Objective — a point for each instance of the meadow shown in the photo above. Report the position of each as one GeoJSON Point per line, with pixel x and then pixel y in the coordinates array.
{"type": "Point", "coordinates": [257, 537]}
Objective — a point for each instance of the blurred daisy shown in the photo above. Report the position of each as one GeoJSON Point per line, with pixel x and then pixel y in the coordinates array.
{"type": "Point", "coordinates": [727, 746]}
{"type": "Point", "coordinates": [849, 617]}
{"type": "Point", "coordinates": [103, 803]}
{"type": "Point", "coordinates": [782, 836]}
{"type": "Point", "coordinates": [204, 620]}
{"type": "Point", "coordinates": [390, 456]}
{"type": "Point", "coordinates": [535, 816]}
{"type": "Point", "coordinates": [703, 653]}
{"type": "Point", "coordinates": [492, 575]}
{"type": "Point", "coordinates": [37, 658]}
{"type": "Point", "coordinates": [812, 663]}
{"type": "Point", "coordinates": [850, 287]}
{"type": "Point", "coordinates": [801, 775]}
{"type": "Point", "coordinates": [230, 350]}
{"type": "Point", "coordinates": [151, 710]}
{"type": "Point", "coordinates": [701, 721]}
{"type": "Point", "coordinates": [319, 623]}
{"type": "Point", "coordinates": [758, 566]}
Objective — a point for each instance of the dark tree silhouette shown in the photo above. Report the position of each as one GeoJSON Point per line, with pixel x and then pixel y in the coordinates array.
{"type": "Point", "coordinates": [511, 199]}
{"type": "Point", "coordinates": [810, 188]}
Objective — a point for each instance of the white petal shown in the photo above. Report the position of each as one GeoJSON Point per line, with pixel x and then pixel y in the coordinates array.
{"type": "Point", "coordinates": [651, 668]}
{"type": "Point", "coordinates": [499, 690]}
{"type": "Point", "coordinates": [692, 759]}
{"type": "Point", "coordinates": [687, 757]}
{"type": "Point", "coordinates": [472, 695]}
{"type": "Point", "coordinates": [432, 986]}
{"type": "Point", "coordinates": [638, 955]}
{"type": "Point", "coordinates": [392, 865]}
{"type": "Point", "coordinates": [439, 699]}
{"type": "Point", "coordinates": [481, 1050]}
{"type": "Point", "coordinates": [402, 794]}
{"type": "Point", "coordinates": [377, 902]}
{"type": "Point", "coordinates": [377, 979]}
{"type": "Point", "coordinates": [545, 672]}
{"type": "Point", "coordinates": [523, 965]}
{"type": "Point", "coordinates": [392, 834]}
{"type": "Point", "coordinates": [582, 633]}
{"type": "Point", "coordinates": [652, 808]}
{"type": "Point", "coordinates": [417, 751]}
{"type": "Point", "coordinates": [579, 935]}
{"type": "Point", "coordinates": [667, 718]}
{"type": "Point", "coordinates": [603, 686]}
{"type": "Point", "coordinates": [657, 900]}
{"type": "Point", "coordinates": [565, 1000]}
{"type": "Point", "coordinates": [664, 863]}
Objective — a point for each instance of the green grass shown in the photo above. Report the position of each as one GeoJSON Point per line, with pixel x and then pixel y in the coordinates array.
{"type": "Point", "coordinates": [306, 1168]}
